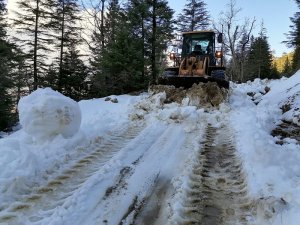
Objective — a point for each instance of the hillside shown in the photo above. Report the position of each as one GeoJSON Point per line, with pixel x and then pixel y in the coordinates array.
{"type": "Point", "coordinates": [281, 61]}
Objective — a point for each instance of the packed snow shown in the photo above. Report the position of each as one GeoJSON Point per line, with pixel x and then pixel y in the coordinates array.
{"type": "Point", "coordinates": [148, 146]}
{"type": "Point", "coordinates": [46, 113]}
{"type": "Point", "coordinates": [273, 170]}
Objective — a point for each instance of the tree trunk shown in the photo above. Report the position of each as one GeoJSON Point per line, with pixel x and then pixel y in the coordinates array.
{"type": "Point", "coordinates": [35, 73]}
{"type": "Point", "coordinates": [153, 54]}
{"type": "Point", "coordinates": [60, 84]}
{"type": "Point", "coordinates": [143, 50]}
{"type": "Point", "coordinates": [193, 16]}
{"type": "Point", "coordinates": [242, 72]}
{"type": "Point", "coordinates": [19, 84]}
{"type": "Point", "coordinates": [102, 24]}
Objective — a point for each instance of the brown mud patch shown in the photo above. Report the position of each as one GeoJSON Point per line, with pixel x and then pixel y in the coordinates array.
{"type": "Point", "coordinates": [200, 95]}
{"type": "Point", "coordinates": [286, 130]}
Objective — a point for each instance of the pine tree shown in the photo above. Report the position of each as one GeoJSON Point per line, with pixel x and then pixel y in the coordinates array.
{"type": "Point", "coordinates": [2, 20]}
{"type": "Point", "coordinates": [31, 24]}
{"type": "Point", "coordinates": [51, 77]}
{"type": "Point", "coordinates": [136, 37]}
{"type": "Point", "coordinates": [296, 58]}
{"type": "Point", "coordinates": [121, 60]}
{"type": "Point", "coordinates": [97, 47]}
{"type": "Point", "coordinates": [161, 30]}
{"type": "Point", "coordinates": [106, 59]}
{"type": "Point", "coordinates": [98, 36]}
{"type": "Point", "coordinates": [194, 16]}
{"type": "Point", "coordinates": [67, 72]}
{"type": "Point", "coordinates": [64, 24]}
{"type": "Point", "coordinates": [138, 13]}
{"type": "Point", "coordinates": [259, 63]}
{"type": "Point", "coordinates": [287, 68]}
{"type": "Point", "coordinates": [6, 56]}
{"type": "Point", "coordinates": [294, 38]}
{"type": "Point", "coordinates": [274, 71]}
{"type": "Point", "coordinates": [113, 18]}
{"type": "Point", "coordinates": [74, 73]}
{"type": "Point", "coordinates": [280, 61]}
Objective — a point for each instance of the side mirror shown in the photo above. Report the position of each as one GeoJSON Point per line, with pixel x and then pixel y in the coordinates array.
{"type": "Point", "coordinates": [220, 38]}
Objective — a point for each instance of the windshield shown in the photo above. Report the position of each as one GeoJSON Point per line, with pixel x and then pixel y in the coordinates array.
{"type": "Point", "coordinates": [198, 43]}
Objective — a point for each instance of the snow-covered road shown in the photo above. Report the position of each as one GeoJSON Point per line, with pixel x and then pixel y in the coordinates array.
{"type": "Point", "coordinates": [111, 184]}
{"type": "Point", "coordinates": [141, 162]}
{"type": "Point", "coordinates": [129, 178]}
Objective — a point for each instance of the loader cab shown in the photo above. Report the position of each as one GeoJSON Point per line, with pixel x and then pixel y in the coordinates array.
{"type": "Point", "coordinates": [198, 43]}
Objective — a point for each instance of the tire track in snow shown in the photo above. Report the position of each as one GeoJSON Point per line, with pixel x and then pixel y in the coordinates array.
{"type": "Point", "coordinates": [128, 175]}
{"type": "Point", "coordinates": [217, 190]}
{"type": "Point", "coordinates": [148, 211]}
{"type": "Point", "coordinates": [157, 208]}
{"type": "Point", "coordinates": [47, 198]}
{"type": "Point", "coordinates": [123, 200]}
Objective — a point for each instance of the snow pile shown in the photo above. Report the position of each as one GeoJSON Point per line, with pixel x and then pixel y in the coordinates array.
{"type": "Point", "coordinates": [202, 95]}
{"type": "Point", "coordinates": [277, 95]}
{"type": "Point", "coordinates": [272, 170]}
{"type": "Point", "coordinates": [286, 95]}
{"type": "Point", "coordinates": [154, 108]}
{"type": "Point", "coordinates": [151, 104]}
{"type": "Point", "coordinates": [46, 113]}
{"type": "Point", "coordinates": [100, 115]}
{"type": "Point", "coordinates": [49, 137]}
{"type": "Point", "coordinates": [52, 137]}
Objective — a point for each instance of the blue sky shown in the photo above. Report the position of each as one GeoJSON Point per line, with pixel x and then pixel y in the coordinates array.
{"type": "Point", "coordinates": [274, 13]}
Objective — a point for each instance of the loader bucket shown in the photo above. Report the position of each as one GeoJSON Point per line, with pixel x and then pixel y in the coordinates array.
{"type": "Point", "coordinates": [187, 82]}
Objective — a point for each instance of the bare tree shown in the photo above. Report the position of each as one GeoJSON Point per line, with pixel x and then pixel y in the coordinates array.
{"type": "Point", "coordinates": [236, 38]}
{"type": "Point", "coordinates": [94, 23]}
{"type": "Point", "coordinates": [244, 47]}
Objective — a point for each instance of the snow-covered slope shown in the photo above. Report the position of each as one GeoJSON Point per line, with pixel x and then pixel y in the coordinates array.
{"type": "Point", "coordinates": [272, 170]}
{"type": "Point", "coordinates": [138, 159]}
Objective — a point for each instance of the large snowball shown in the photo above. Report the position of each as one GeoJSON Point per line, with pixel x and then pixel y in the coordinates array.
{"type": "Point", "coordinates": [46, 113]}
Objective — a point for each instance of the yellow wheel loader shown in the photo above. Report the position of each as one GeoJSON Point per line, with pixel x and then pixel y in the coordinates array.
{"type": "Point", "coordinates": [200, 61]}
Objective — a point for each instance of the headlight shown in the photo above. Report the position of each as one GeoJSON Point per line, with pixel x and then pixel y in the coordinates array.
{"type": "Point", "coordinates": [219, 54]}
{"type": "Point", "coordinates": [172, 56]}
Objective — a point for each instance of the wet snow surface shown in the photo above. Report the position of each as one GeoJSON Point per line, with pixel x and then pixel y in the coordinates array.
{"type": "Point", "coordinates": [139, 161]}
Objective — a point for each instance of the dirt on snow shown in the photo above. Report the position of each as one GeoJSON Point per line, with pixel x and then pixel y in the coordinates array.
{"type": "Point", "coordinates": [201, 95]}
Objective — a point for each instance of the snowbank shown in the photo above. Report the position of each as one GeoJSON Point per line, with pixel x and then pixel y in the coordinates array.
{"type": "Point", "coordinates": [49, 137]}
{"type": "Point", "coordinates": [100, 116]}
{"type": "Point", "coordinates": [52, 137]}
{"type": "Point", "coordinates": [272, 169]}
{"type": "Point", "coordinates": [46, 113]}
{"type": "Point", "coordinates": [286, 96]}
